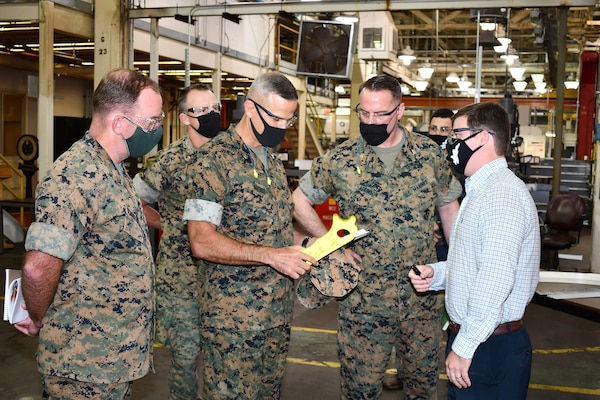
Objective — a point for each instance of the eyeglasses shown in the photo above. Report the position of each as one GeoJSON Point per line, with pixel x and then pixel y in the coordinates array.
{"type": "Point", "coordinates": [197, 111]}
{"type": "Point", "coordinates": [381, 115]}
{"type": "Point", "coordinates": [442, 129]}
{"type": "Point", "coordinates": [288, 121]}
{"type": "Point", "coordinates": [147, 124]}
{"type": "Point", "coordinates": [452, 135]}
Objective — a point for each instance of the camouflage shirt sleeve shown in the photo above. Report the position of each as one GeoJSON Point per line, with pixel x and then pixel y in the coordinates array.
{"type": "Point", "coordinates": [453, 193]}
{"type": "Point", "coordinates": [61, 217]}
{"type": "Point", "coordinates": [315, 195]}
{"type": "Point", "coordinates": [144, 190]}
{"type": "Point", "coordinates": [202, 210]}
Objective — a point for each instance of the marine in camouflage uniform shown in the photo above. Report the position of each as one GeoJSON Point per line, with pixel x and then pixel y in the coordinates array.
{"type": "Point", "coordinates": [244, 302]}
{"type": "Point", "coordinates": [395, 203]}
{"type": "Point", "coordinates": [166, 180]}
{"type": "Point", "coordinates": [177, 321]}
{"type": "Point", "coordinates": [88, 274]}
{"type": "Point", "coordinates": [99, 326]}
{"type": "Point", "coordinates": [240, 218]}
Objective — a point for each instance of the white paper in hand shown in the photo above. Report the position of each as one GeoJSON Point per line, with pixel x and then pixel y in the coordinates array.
{"type": "Point", "coordinates": [15, 312]}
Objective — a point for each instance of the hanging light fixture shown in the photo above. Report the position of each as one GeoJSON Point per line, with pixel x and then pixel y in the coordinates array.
{"type": "Point", "coordinates": [407, 56]}
{"type": "Point", "coordinates": [517, 71]}
{"type": "Point", "coordinates": [502, 37]}
{"type": "Point", "coordinates": [452, 77]}
{"type": "Point", "coordinates": [487, 26]}
{"type": "Point", "coordinates": [571, 82]}
{"type": "Point", "coordinates": [510, 57]}
{"type": "Point", "coordinates": [339, 89]}
{"type": "Point", "coordinates": [540, 86]}
{"type": "Point", "coordinates": [520, 85]}
{"type": "Point", "coordinates": [420, 85]}
{"type": "Point", "coordinates": [426, 71]}
{"type": "Point", "coordinates": [504, 42]}
{"type": "Point", "coordinates": [464, 83]}
{"type": "Point", "coordinates": [536, 78]}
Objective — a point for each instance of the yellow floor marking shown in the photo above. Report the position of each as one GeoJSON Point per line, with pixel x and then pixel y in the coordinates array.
{"type": "Point", "coordinates": [567, 350]}
{"type": "Point", "coordinates": [302, 361]}
{"type": "Point", "coordinates": [444, 377]}
{"type": "Point", "coordinates": [537, 386]}
{"type": "Point", "coordinates": [538, 351]}
{"type": "Point", "coordinates": [315, 330]}
{"type": "Point", "coordinates": [565, 389]}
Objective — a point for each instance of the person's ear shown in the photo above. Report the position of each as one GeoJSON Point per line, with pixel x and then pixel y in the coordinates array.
{"type": "Point", "coordinates": [184, 119]}
{"type": "Point", "coordinates": [249, 108]}
{"type": "Point", "coordinates": [117, 124]}
{"type": "Point", "coordinates": [400, 111]}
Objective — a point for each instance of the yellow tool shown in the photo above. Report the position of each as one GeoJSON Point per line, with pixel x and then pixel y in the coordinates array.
{"type": "Point", "coordinates": [331, 241]}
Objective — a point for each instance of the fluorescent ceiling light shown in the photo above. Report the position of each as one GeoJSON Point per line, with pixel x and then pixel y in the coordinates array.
{"type": "Point", "coordinates": [348, 19]}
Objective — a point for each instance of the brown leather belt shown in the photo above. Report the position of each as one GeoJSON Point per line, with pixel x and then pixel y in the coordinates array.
{"type": "Point", "coordinates": [506, 327]}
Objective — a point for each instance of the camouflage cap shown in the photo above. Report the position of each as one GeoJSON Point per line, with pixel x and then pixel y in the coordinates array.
{"type": "Point", "coordinates": [308, 295]}
{"type": "Point", "coordinates": [336, 274]}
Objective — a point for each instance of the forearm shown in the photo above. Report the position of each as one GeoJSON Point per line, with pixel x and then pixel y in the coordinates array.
{"type": "Point", "coordinates": [447, 216]}
{"type": "Point", "coordinates": [218, 248]}
{"type": "Point", "coordinates": [210, 245]}
{"type": "Point", "coordinates": [41, 274]}
{"type": "Point", "coordinates": [152, 216]}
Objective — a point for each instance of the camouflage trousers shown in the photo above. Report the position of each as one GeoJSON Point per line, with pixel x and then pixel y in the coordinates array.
{"type": "Point", "coordinates": [59, 388]}
{"type": "Point", "coordinates": [364, 346]}
{"type": "Point", "coordinates": [244, 365]}
{"type": "Point", "coordinates": [178, 329]}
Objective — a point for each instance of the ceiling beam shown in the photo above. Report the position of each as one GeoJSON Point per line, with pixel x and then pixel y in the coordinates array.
{"type": "Point", "coordinates": [337, 6]}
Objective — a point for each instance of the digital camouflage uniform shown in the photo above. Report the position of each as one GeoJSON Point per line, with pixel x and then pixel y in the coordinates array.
{"type": "Point", "coordinates": [166, 180]}
{"type": "Point", "coordinates": [99, 326]}
{"type": "Point", "coordinates": [245, 310]}
{"type": "Point", "coordinates": [397, 208]}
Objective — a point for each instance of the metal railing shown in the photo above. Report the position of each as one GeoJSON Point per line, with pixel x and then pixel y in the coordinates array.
{"type": "Point", "coordinates": [4, 186]}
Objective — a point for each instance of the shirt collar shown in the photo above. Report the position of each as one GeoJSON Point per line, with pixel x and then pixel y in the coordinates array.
{"type": "Point", "coordinates": [482, 175]}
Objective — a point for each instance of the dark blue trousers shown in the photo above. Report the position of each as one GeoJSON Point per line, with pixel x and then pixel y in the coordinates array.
{"type": "Point", "coordinates": [500, 369]}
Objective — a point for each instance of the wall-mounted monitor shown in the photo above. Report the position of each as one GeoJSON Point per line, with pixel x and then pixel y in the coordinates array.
{"type": "Point", "coordinates": [325, 49]}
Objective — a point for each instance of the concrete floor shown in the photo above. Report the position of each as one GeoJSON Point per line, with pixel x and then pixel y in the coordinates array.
{"type": "Point", "coordinates": [566, 363]}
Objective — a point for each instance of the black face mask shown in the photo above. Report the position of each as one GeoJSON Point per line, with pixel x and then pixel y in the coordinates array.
{"type": "Point", "coordinates": [271, 136]}
{"type": "Point", "coordinates": [459, 154]}
{"type": "Point", "coordinates": [439, 139]}
{"type": "Point", "coordinates": [374, 134]}
{"type": "Point", "coordinates": [210, 124]}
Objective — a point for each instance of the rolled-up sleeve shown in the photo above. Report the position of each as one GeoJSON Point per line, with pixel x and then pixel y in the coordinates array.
{"type": "Point", "coordinates": [202, 210]}
{"type": "Point", "coordinates": [144, 191]}
{"type": "Point", "coordinates": [51, 240]}
{"type": "Point", "coordinates": [317, 196]}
